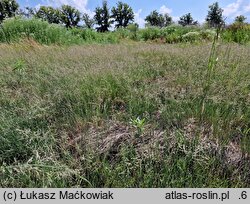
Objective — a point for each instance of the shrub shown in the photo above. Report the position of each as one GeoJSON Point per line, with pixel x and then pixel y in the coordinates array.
{"type": "Point", "coordinates": [207, 34]}
{"type": "Point", "coordinates": [122, 33]}
{"type": "Point", "coordinates": [191, 37]}
{"type": "Point", "coordinates": [170, 34]}
{"type": "Point", "coordinates": [173, 38]}
{"type": "Point", "coordinates": [237, 32]}
{"type": "Point", "coordinates": [133, 29]}
{"type": "Point", "coordinates": [150, 33]}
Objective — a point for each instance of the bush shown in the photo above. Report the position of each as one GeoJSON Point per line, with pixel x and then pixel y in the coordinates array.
{"type": "Point", "coordinates": [173, 38]}
{"type": "Point", "coordinates": [122, 33]}
{"type": "Point", "coordinates": [133, 29]}
{"type": "Point", "coordinates": [171, 34]}
{"type": "Point", "coordinates": [150, 33]}
{"type": "Point", "coordinates": [208, 34]}
{"type": "Point", "coordinates": [191, 37]}
{"type": "Point", "coordinates": [85, 34]}
{"type": "Point", "coordinates": [90, 36]}
{"type": "Point", "coordinates": [237, 32]}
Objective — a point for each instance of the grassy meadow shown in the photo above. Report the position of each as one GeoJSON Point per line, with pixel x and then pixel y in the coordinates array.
{"type": "Point", "coordinates": [127, 114]}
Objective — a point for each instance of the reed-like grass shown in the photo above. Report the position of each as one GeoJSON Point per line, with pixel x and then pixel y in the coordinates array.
{"type": "Point", "coordinates": [17, 29]}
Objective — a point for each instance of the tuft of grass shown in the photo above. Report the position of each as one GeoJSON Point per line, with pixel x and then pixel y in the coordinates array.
{"type": "Point", "coordinates": [212, 62]}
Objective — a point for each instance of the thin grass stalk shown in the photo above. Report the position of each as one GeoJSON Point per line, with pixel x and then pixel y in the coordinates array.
{"type": "Point", "coordinates": [212, 61]}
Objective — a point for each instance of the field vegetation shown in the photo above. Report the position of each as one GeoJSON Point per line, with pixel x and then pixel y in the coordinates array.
{"type": "Point", "coordinates": [163, 106]}
{"type": "Point", "coordinates": [124, 115]}
{"type": "Point", "coordinates": [18, 29]}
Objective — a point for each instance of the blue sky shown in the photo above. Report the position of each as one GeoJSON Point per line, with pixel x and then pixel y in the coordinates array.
{"type": "Point", "coordinates": [176, 8]}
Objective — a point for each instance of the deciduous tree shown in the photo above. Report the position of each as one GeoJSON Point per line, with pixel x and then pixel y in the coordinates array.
{"type": "Point", "coordinates": [70, 16]}
{"type": "Point", "coordinates": [49, 14]}
{"type": "Point", "coordinates": [102, 17]}
{"type": "Point", "coordinates": [8, 8]}
{"type": "Point", "coordinates": [123, 14]}
{"type": "Point", "coordinates": [27, 12]}
{"type": "Point", "coordinates": [168, 19]}
{"type": "Point", "coordinates": [214, 17]}
{"type": "Point", "coordinates": [240, 19]}
{"type": "Point", "coordinates": [155, 19]}
{"type": "Point", "coordinates": [187, 19]}
{"type": "Point", "coordinates": [88, 21]}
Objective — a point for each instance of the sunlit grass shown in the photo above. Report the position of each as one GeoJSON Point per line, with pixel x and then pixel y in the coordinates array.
{"type": "Point", "coordinates": [65, 116]}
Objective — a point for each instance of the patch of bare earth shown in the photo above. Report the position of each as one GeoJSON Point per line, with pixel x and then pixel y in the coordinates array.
{"type": "Point", "coordinates": [110, 139]}
{"type": "Point", "coordinates": [230, 154]}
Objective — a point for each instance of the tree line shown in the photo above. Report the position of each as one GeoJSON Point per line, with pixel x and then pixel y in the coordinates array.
{"type": "Point", "coordinates": [120, 15]}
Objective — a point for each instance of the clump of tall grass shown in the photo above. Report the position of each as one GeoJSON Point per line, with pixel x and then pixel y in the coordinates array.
{"type": "Point", "coordinates": [91, 36]}
{"type": "Point", "coordinates": [212, 61]}
{"type": "Point", "coordinates": [16, 29]}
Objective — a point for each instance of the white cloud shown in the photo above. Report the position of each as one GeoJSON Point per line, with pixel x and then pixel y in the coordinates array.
{"type": "Point", "coordinates": [176, 18]}
{"type": "Point", "coordinates": [138, 19]}
{"type": "Point", "coordinates": [81, 5]}
{"type": "Point", "coordinates": [239, 7]}
{"type": "Point", "coordinates": [37, 7]}
{"type": "Point", "coordinates": [247, 8]}
{"type": "Point", "coordinates": [164, 10]}
{"type": "Point", "coordinates": [233, 8]}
